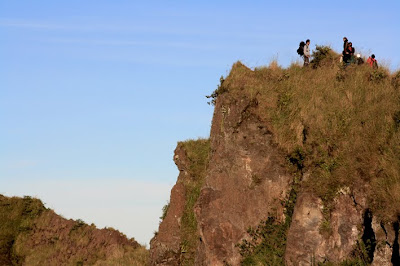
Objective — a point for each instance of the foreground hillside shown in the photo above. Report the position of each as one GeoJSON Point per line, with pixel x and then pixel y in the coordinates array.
{"type": "Point", "coordinates": [302, 168]}
{"type": "Point", "coordinates": [31, 234]}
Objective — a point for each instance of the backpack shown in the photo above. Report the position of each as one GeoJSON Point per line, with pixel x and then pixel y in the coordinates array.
{"type": "Point", "coordinates": [300, 50]}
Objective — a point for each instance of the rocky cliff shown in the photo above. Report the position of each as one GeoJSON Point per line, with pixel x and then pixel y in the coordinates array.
{"type": "Point", "coordinates": [31, 234]}
{"type": "Point", "coordinates": [176, 241]}
{"type": "Point", "coordinates": [303, 167]}
{"type": "Point", "coordinates": [246, 179]}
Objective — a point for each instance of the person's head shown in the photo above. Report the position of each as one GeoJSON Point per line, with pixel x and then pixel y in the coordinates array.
{"type": "Point", "coordinates": [350, 44]}
{"type": "Point", "coordinates": [344, 39]}
{"type": "Point", "coordinates": [373, 56]}
{"type": "Point", "coordinates": [308, 41]}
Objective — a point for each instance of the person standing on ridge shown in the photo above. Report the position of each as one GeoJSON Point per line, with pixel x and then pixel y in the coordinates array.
{"type": "Point", "coordinates": [351, 52]}
{"type": "Point", "coordinates": [307, 54]}
{"type": "Point", "coordinates": [372, 61]}
{"type": "Point", "coordinates": [345, 41]}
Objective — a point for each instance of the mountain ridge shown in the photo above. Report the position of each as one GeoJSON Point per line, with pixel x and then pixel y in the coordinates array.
{"type": "Point", "coordinates": [31, 234]}
{"type": "Point", "coordinates": [303, 168]}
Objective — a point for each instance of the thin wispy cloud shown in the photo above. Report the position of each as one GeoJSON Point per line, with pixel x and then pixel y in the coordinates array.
{"type": "Point", "coordinates": [256, 33]}
{"type": "Point", "coordinates": [48, 25]}
{"type": "Point", "coordinates": [157, 44]}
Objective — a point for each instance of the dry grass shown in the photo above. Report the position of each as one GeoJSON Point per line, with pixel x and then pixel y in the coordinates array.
{"type": "Point", "coordinates": [345, 121]}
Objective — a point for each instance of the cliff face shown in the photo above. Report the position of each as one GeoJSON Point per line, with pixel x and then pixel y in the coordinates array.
{"type": "Point", "coordinates": [302, 169]}
{"type": "Point", "coordinates": [30, 234]}
{"type": "Point", "coordinates": [166, 244]}
{"type": "Point", "coordinates": [245, 181]}
{"type": "Point", "coordinates": [176, 241]}
{"type": "Point", "coordinates": [306, 244]}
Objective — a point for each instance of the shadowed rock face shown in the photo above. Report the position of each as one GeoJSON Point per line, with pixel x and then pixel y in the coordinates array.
{"type": "Point", "coordinates": [245, 181]}
{"type": "Point", "coordinates": [165, 246]}
{"type": "Point", "coordinates": [176, 241]}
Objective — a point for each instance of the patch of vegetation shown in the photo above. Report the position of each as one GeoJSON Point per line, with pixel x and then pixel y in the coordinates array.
{"type": "Point", "coordinates": [296, 158]}
{"type": "Point", "coordinates": [351, 126]}
{"type": "Point", "coordinates": [255, 180]}
{"type": "Point", "coordinates": [164, 212]}
{"type": "Point", "coordinates": [396, 80]}
{"type": "Point", "coordinates": [378, 75]}
{"type": "Point", "coordinates": [323, 56]}
{"type": "Point", "coordinates": [267, 242]}
{"type": "Point", "coordinates": [358, 257]}
{"type": "Point", "coordinates": [197, 152]}
{"type": "Point", "coordinates": [218, 91]}
{"type": "Point", "coordinates": [16, 216]}
{"type": "Point", "coordinates": [78, 224]}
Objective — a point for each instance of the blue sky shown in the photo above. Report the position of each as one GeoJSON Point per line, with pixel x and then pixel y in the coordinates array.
{"type": "Point", "coordinates": [94, 95]}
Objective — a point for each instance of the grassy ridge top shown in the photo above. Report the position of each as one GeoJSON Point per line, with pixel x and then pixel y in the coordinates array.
{"type": "Point", "coordinates": [339, 124]}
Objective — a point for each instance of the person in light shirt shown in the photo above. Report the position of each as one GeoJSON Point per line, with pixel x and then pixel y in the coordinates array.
{"type": "Point", "coordinates": [307, 54]}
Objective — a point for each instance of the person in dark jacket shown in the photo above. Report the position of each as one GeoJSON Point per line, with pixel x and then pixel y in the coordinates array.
{"type": "Point", "coordinates": [345, 42]}
{"type": "Point", "coordinates": [351, 52]}
{"type": "Point", "coordinates": [348, 54]}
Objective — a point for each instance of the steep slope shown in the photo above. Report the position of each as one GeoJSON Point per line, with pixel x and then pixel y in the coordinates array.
{"type": "Point", "coordinates": [303, 168]}
{"type": "Point", "coordinates": [177, 238]}
{"type": "Point", "coordinates": [30, 234]}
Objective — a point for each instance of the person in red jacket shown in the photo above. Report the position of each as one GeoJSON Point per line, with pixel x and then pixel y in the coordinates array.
{"type": "Point", "coordinates": [372, 61]}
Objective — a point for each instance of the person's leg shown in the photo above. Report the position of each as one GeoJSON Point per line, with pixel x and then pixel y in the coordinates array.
{"type": "Point", "coordinates": [306, 61]}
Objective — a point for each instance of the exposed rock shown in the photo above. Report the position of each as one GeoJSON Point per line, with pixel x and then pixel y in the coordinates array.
{"type": "Point", "coordinates": [165, 246]}
{"type": "Point", "coordinates": [245, 182]}
{"type": "Point", "coordinates": [307, 243]}
{"type": "Point", "coordinates": [385, 238]}
{"type": "Point", "coordinates": [176, 241]}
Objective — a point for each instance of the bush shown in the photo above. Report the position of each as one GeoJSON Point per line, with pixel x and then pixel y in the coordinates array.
{"type": "Point", "coordinates": [164, 211]}
{"type": "Point", "coordinates": [220, 90]}
{"type": "Point", "coordinates": [323, 56]}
